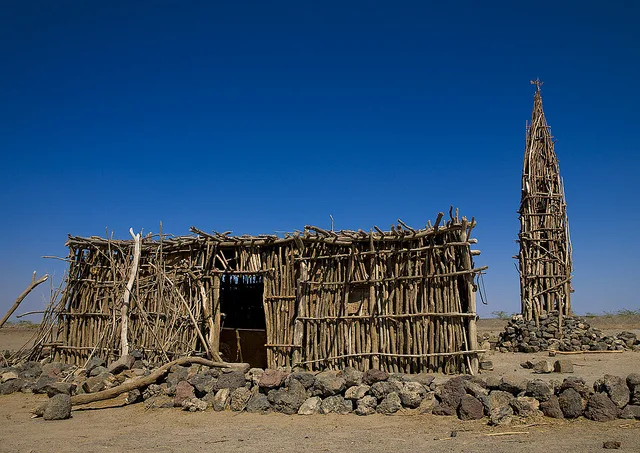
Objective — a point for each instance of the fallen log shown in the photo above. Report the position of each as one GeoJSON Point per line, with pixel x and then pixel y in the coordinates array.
{"type": "Point", "coordinates": [24, 294]}
{"type": "Point", "coordinates": [553, 353]}
{"type": "Point", "coordinates": [146, 380]}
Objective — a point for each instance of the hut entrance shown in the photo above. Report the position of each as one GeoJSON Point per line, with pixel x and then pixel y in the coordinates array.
{"type": "Point", "coordinates": [243, 333]}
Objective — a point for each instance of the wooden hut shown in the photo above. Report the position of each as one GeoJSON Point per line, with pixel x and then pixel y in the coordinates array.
{"type": "Point", "coordinates": [544, 259]}
{"type": "Point", "coordinates": [400, 300]}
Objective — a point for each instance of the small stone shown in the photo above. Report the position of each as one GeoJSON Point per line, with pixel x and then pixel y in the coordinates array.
{"type": "Point", "coordinates": [258, 403]}
{"type": "Point", "coordinates": [356, 392]}
{"type": "Point", "coordinates": [271, 379]}
{"type": "Point", "coordinates": [501, 416]}
{"type": "Point", "coordinates": [427, 404]}
{"type": "Point", "coordinates": [513, 384]}
{"type": "Point", "coordinates": [253, 375]}
{"type": "Point", "coordinates": [194, 405]}
{"type": "Point", "coordinates": [485, 365]}
{"type": "Point", "coordinates": [617, 389]}
{"type": "Point", "coordinates": [221, 400]}
{"type": "Point", "coordinates": [8, 376]}
{"type": "Point", "coordinates": [539, 389]}
{"type": "Point", "coordinates": [381, 389]}
{"type": "Point", "coordinates": [94, 362]}
{"type": "Point", "coordinates": [123, 363]}
{"type": "Point", "coordinates": [412, 394]}
{"type": "Point", "coordinates": [11, 386]}
{"type": "Point", "coordinates": [134, 396]}
{"type": "Point", "coordinates": [202, 383]}
{"type": "Point", "coordinates": [470, 408]}
{"type": "Point", "coordinates": [240, 398]}
{"type": "Point", "coordinates": [231, 380]}
{"type": "Point", "coordinates": [288, 400]}
{"type": "Point", "coordinates": [551, 408]}
{"type": "Point", "coordinates": [184, 391]}
{"type": "Point", "coordinates": [630, 412]}
{"type": "Point", "coordinates": [352, 377]}
{"type": "Point", "coordinates": [366, 405]}
{"type": "Point", "coordinates": [571, 403]}
{"type": "Point", "coordinates": [528, 365]}
{"type": "Point", "coordinates": [96, 383]}
{"type": "Point", "coordinates": [611, 445]}
{"type": "Point", "coordinates": [563, 366]}
{"type": "Point", "coordinates": [525, 406]}
{"type": "Point", "coordinates": [310, 406]}
{"type": "Point", "coordinates": [600, 408]}
{"type": "Point", "coordinates": [97, 371]}
{"type": "Point", "coordinates": [328, 383]}
{"type": "Point", "coordinates": [390, 405]}
{"type": "Point", "coordinates": [542, 367]}
{"type": "Point", "coordinates": [176, 374]}
{"type": "Point", "coordinates": [336, 404]}
{"type": "Point", "coordinates": [305, 378]}
{"type": "Point", "coordinates": [58, 408]}
{"type": "Point", "coordinates": [64, 388]}
{"type": "Point", "coordinates": [373, 375]}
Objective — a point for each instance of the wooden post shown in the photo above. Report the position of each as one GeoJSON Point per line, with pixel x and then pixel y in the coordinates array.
{"type": "Point", "coordinates": [215, 341]}
{"type": "Point", "coordinates": [124, 324]}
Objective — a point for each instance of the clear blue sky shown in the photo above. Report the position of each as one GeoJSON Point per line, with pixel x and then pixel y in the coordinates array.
{"type": "Point", "coordinates": [265, 116]}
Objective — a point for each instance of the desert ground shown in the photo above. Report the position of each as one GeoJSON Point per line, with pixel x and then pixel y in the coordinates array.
{"type": "Point", "coordinates": [114, 426]}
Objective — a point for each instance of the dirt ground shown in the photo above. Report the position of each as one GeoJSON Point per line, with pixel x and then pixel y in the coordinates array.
{"type": "Point", "coordinates": [112, 426]}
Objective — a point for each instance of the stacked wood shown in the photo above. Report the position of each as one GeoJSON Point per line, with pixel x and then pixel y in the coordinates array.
{"type": "Point", "coordinates": [401, 300]}
{"type": "Point", "coordinates": [545, 248]}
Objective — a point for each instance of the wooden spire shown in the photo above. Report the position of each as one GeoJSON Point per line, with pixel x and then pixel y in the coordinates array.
{"type": "Point", "coordinates": [545, 248]}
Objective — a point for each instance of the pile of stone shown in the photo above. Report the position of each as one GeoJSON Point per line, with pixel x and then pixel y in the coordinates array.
{"type": "Point", "coordinates": [198, 388]}
{"type": "Point", "coordinates": [577, 335]}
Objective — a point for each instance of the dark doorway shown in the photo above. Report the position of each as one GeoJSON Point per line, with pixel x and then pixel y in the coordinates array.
{"type": "Point", "coordinates": [244, 332]}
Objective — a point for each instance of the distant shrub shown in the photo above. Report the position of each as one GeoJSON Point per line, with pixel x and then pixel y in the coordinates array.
{"type": "Point", "coordinates": [500, 314]}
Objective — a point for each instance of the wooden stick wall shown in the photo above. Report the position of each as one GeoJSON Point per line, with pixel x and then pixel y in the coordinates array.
{"type": "Point", "coordinates": [400, 300]}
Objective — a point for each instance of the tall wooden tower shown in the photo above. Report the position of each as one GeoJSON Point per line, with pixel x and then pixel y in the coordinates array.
{"type": "Point", "coordinates": [545, 247]}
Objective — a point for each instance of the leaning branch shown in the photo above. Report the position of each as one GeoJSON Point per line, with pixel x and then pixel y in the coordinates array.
{"type": "Point", "coordinates": [145, 381]}
{"type": "Point", "coordinates": [24, 294]}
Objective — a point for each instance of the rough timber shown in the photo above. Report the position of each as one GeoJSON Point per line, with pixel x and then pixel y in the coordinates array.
{"type": "Point", "coordinates": [545, 248]}
{"type": "Point", "coordinates": [400, 300]}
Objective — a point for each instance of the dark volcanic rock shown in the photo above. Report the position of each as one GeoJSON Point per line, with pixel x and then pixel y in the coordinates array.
{"type": "Point", "coordinates": [450, 393]}
{"type": "Point", "coordinates": [470, 408]}
{"type": "Point", "coordinates": [231, 380]}
{"type": "Point", "coordinates": [336, 404]}
{"type": "Point", "coordinates": [373, 375]}
{"type": "Point", "coordinates": [570, 403]}
{"type": "Point", "coordinates": [576, 383]}
{"type": "Point", "coordinates": [58, 408]}
{"type": "Point", "coordinates": [328, 383]}
{"type": "Point", "coordinates": [633, 382]}
{"type": "Point", "coordinates": [239, 399]}
{"type": "Point", "coordinates": [11, 386]}
{"type": "Point", "coordinates": [617, 389]}
{"type": "Point", "coordinates": [381, 389]}
{"type": "Point", "coordinates": [184, 391]}
{"type": "Point", "coordinates": [352, 377]}
{"type": "Point", "coordinates": [551, 408]}
{"type": "Point", "coordinates": [258, 403]}
{"type": "Point", "coordinates": [305, 378]}
{"type": "Point", "coordinates": [412, 394]}
{"type": "Point", "coordinates": [271, 379]}
{"type": "Point", "coordinates": [288, 400]}
{"type": "Point", "coordinates": [539, 389]}
{"type": "Point", "coordinates": [600, 408]}
{"type": "Point", "coordinates": [390, 404]}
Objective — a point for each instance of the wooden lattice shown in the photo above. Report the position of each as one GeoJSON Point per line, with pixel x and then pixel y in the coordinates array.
{"type": "Point", "coordinates": [545, 248]}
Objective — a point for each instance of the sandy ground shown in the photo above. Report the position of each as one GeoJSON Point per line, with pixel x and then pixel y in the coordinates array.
{"type": "Point", "coordinates": [111, 426]}
{"type": "Point", "coordinates": [131, 428]}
